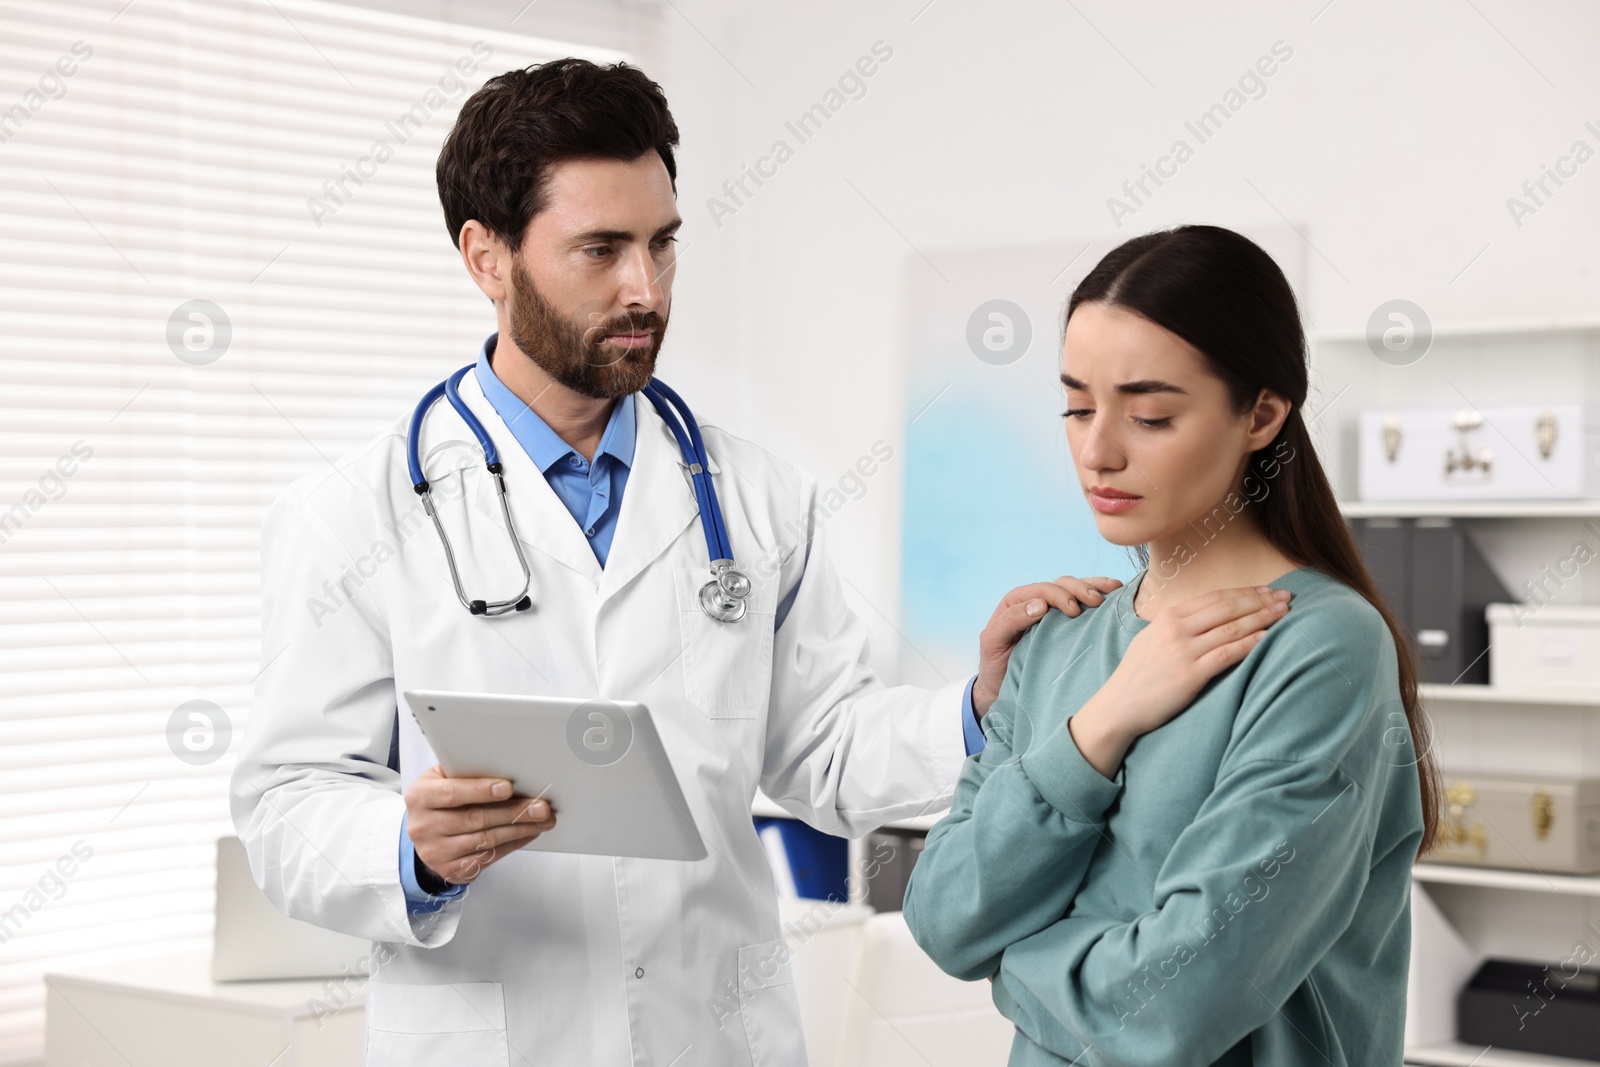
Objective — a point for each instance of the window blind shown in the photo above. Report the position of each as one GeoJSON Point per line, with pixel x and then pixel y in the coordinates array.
{"type": "Point", "coordinates": [222, 264]}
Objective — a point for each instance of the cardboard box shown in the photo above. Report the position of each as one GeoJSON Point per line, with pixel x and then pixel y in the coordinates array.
{"type": "Point", "coordinates": [1550, 646]}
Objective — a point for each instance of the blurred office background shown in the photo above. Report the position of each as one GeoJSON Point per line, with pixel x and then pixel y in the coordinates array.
{"type": "Point", "coordinates": [222, 263]}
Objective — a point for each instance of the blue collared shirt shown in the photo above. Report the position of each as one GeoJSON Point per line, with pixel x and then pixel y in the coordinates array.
{"type": "Point", "coordinates": [592, 493]}
{"type": "Point", "coordinates": [971, 732]}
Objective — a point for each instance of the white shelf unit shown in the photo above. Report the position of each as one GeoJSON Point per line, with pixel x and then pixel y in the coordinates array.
{"type": "Point", "coordinates": [763, 808]}
{"type": "Point", "coordinates": [1472, 509]}
{"type": "Point", "coordinates": [1571, 885]}
{"type": "Point", "coordinates": [1462, 915]}
{"type": "Point", "coordinates": [1488, 911]}
{"type": "Point", "coordinates": [1458, 1054]}
{"type": "Point", "coordinates": [1502, 328]}
{"type": "Point", "coordinates": [1552, 696]}
{"type": "Point", "coordinates": [1482, 364]}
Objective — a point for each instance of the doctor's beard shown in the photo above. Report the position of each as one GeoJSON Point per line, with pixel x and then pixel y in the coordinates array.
{"type": "Point", "coordinates": [564, 349]}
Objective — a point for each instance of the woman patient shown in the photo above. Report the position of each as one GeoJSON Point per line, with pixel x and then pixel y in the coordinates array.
{"type": "Point", "coordinates": [1190, 838]}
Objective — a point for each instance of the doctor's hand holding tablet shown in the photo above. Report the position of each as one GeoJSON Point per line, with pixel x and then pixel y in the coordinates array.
{"type": "Point", "coordinates": [459, 826]}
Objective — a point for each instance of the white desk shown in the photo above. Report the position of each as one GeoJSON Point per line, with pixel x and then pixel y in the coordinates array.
{"type": "Point", "coordinates": [766, 808]}
{"type": "Point", "coordinates": [166, 1010]}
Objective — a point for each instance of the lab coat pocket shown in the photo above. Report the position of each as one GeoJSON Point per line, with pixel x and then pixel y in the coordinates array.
{"type": "Point", "coordinates": [427, 1025]}
{"type": "Point", "coordinates": [727, 666]}
{"type": "Point", "coordinates": [769, 1007]}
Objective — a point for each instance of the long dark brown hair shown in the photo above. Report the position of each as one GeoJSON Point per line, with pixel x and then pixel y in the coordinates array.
{"type": "Point", "coordinates": [1223, 294]}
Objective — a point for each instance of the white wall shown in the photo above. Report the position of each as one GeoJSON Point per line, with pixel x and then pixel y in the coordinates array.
{"type": "Point", "coordinates": [1392, 137]}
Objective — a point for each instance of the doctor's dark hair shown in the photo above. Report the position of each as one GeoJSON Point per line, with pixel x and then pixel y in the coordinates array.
{"type": "Point", "coordinates": [495, 163]}
{"type": "Point", "coordinates": [1223, 294]}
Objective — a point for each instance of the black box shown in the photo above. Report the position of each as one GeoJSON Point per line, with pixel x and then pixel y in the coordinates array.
{"type": "Point", "coordinates": [1385, 545]}
{"type": "Point", "coordinates": [1451, 584]}
{"type": "Point", "coordinates": [1554, 1010]}
{"type": "Point", "coordinates": [1437, 582]}
{"type": "Point", "coordinates": [891, 855]}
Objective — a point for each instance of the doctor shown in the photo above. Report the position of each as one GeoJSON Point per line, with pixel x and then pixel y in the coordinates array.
{"type": "Point", "coordinates": [558, 188]}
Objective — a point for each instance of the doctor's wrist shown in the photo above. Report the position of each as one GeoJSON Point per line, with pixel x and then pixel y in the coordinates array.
{"type": "Point", "coordinates": [983, 698]}
{"type": "Point", "coordinates": [428, 881]}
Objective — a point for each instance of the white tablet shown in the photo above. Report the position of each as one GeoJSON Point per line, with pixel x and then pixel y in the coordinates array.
{"type": "Point", "coordinates": [600, 764]}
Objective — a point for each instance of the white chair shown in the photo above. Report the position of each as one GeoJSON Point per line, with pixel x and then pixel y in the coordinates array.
{"type": "Point", "coordinates": [902, 1011]}
{"type": "Point", "coordinates": [824, 938]}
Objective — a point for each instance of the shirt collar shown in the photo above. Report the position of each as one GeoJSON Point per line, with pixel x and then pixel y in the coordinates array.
{"type": "Point", "coordinates": [543, 445]}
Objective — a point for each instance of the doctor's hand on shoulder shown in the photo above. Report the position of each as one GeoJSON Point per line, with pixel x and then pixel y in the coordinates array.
{"type": "Point", "coordinates": [459, 826]}
{"type": "Point", "coordinates": [1018, 611]}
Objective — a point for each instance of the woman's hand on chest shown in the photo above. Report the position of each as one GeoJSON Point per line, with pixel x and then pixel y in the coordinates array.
{"type": "Point", "coordinates": [1168, 663]}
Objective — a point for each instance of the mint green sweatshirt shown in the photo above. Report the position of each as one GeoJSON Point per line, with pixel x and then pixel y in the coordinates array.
{"type": "Point", "coordinates": [1238, 894]}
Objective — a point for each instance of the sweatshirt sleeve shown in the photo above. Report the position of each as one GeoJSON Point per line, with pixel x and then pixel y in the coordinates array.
{"type": "Point", "coordinates": [1256, 888]}
{"type": "Point", "coordinates": [1008, 859]}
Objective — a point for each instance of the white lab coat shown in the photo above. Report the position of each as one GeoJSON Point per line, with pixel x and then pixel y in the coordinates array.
{"type": "Point", "coordinates": [549, 958]}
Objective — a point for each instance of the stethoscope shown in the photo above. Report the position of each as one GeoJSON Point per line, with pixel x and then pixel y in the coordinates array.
{"type": "Point", "coordinates": [722, 598]}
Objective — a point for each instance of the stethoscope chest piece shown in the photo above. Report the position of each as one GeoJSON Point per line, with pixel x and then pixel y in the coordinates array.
{"type": "Point", "coordinates": [723, 597]}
